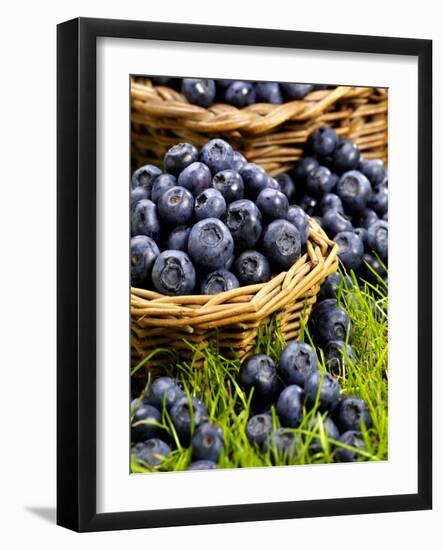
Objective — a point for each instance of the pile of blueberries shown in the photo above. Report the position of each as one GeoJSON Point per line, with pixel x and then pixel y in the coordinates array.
{"type": "Point", "coordinates": [239, 93]}
{"type": "Point", "coordinates": [211, 222]}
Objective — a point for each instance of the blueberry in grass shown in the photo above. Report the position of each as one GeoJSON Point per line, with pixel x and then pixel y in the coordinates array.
{"type": "Point", "coordinates": [207, 442]}
{"type": "Point", "coordinates": [337, 354]}
{"type": "Point", "coordinates": [138, 194]}
{"type": "Point", "coordinates": [145, 177]}
{"type": "Point", "coordinates": [176, 206]}
{"type": "Point", "coordinates": [144, 424]}
{"type": "Point", "coordinates": [144, 219]}
{"type": "Point", "coordinates": [346, 156]}
{"type": "Point", "coordinates": [287, 185]}
{"type": "Point", "coordinates": [161, 184]}
{"type": "Point", "coordinates": [352, 413]}
{"type": "Point", "coordinates": [196, 178]}
{"type": "Point", "coordinates": [374, 170]}
{"type": "Point", "coordinates": [164, 392]}
{"type": "Point", "coordinates": [330, 201]}
{"type": "Point", "coordinates": [350, 439]}
{"type": "Point", "coordinates": [378, 238]}
{"type": "Point", "coordinates": [308, 204]}
{"type": "Point", "coordinates": [329, 288]}
{"type": "Point", "coordinates": [297, 362]}
{"type": "Point", "coordinates": [283, 444]}
{"type": "Point", "coordinates": [319, 181]}
{"type": "Point", "coordinates": [297, 216]}
{"type": "Point", "coordinates": [335, 222]}
{"type": "Point", "coordinates": [320, 425]}
{"type": "Point", "coordinates": [354, 189]}
{"type": "Point", "coordinates": [210, 244]}
{"type": "Point", "coordinates": [199, 91]}
{"type": "Point", "coordinates": [254, 178]}
{"type": "Point", "coordinates": [238, 161]}
{"type": "Point", "coordinates": [240, 93]}
{"type": "Point", "coordinates": [272, 204]}
{"type": "Point", "coordinates": [292, 90]}
{"type": "Point", "coordinates": [251, 268]}
{"type": "Point", "coordinates": [178, 238]}
{"type": "Point", "coordinates": [332, 323]}
{"type": "Point", "coordinates": [371, 270]}
{"type": "Point", "coordinates": [187, 414]}
{"type": "Point", "coordinates": [258, 429]}
{"type": "Point", "coordinates": [219, 281]}
{"type": "Point", "coordinates": [304, 166]}
{"type": "Point", "coordinates": [282, 243]}
{"type": "Point", "coordinates": [258, 373]}
{"type": "Point", "coordinates": [144, 252]}
{"type": "Point", "coordinates": [379, 200]}
{"type": "Point", "coordinates": [366, 218]}
{"type": "Point", "coordinates": [209, 204]}
{"type": "Point", "coordinates": [202, 465]}
{"type": "Point", "coordinates": [363, 234]}
{"type": "Point", "coordinates": [179, 156]}
{"type": "Point", "coordinates": [324, 387]}
{"type": "Point", "coordinates": [150, 453]}
{"type": "Point", "coordinates": [218, 155]}
{"type": "Point", "coordinates": [351, 249]}
{"type": "Point", "coordinates": [290, 406]}
{"type": "Point", "coordinates": [268, 92]}
{"type": "Point", "coordinates": [230, 184]}
{"type": "Point", "coordinates": [323, 306]}
{"type": "Point", "coordinates": [323, 141]}
{"type": "Point", "coordinates": [173, 273]}
{"type": "Point", "coordinates": [243, 219]}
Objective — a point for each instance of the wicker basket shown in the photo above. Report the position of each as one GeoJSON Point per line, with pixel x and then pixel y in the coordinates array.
{"type": "Point", "coordinates": [270, 135]}
{"type": "Point", "coordinates": [233, 317]}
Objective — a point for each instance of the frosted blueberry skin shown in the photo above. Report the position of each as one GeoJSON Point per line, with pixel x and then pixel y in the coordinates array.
{"type": "Point", "coordinates": [326, 387]}
{"type": "Point", "coordinates": [195, 178]}
{"type": "Point", "coordinates": [366, 218]}
{"type": "Point", "coordinates": [283, 443]}
{"type": "Point", "coordinates": [331, 285]}
{"type": "Point", "coordinates": [244, 221]}
{"type": "Point", "coordinates": [292, 90]}
{"type": "Point", "coordinates": [258, 429]}
{"type": "Point", "coordinates": [334, 222]}
{"type": "Point", "coordinates": [352, 413]}
{"type": "Point", "coordinates": [297, 216]}
{"type": "Point", "coordinates": [379, 200]}
{"type": "Point", "coordinates": [238, 161]}
{"type": "Point", "coordinates": [354, 190]}
{"type": "Point", "coordinates": [268, 92]}
{"type": "Point", "coordinates": [351, 249]}
{"type": "Point", "coordinates": [219, 281]}
{"type": "Point", "coordinates": [346, 156]}
{"type": "Point", "coordinates": [209, 204]}
{"type": "Point", "coordinates": [258, 372]}
{"type": "Point", "coordinates": [199, 91]}
{"type": "Point", "coordinates": [323, 141]}
{"type": "Point", "coordinates": [273, 204]}
{"type": "Point", "coordinates": [297, 362]}
{"type": "Point", "coordinates": [173, 273]}
{"type": "Point", "coordinates": [230, 184]}
{"type": "Point", "coordinates": [369, 265]}
{"type": "Point", "coordinates": [281, 243]}
{"type": "Point", "coordinates": [144, 252]}
{"type": "Point", "coordinates": [330, 201]}
{"type": "Point", "coordinates": [290, 406]}
{"type": "Point", "coordinates": [374, 170]}
{"type": "Point", "coordinates": [179, 156]}
{"type": "Point", "coordinates": [332, 323]}
{"type": "Point", "coordinates": [337, 353]}
{"type": "Point", "coordinates": [161, 184]}
{"type": "Point", "coordinates": [254, 178]}
{"type": "Point", "coordinates": [187, 415]}
{"type": "Point", "coordinates": [378, 238]}
{"type": "Point", "coordinates": [144, 220]}
{"type": "Point", "coordinates": [176, 206]}
{"type": "Point", "coordinates": [304, 166]}
{"type": "Point", "coordinates": [287, 185]}
{"type": "Point", "coordinates": [363, 234]}
{"type": "Point", "coordinates": [178, 238]}
{"type": "Point", "coordinates": [353, 439]}
{"type": "Point", "coordinates": [308, 204]}
{"type": "Point", "coordinates": [202, 465]}
{"type": "Point", "coordinates": [320, 181]}
{"type": "Point", "coordinates": [210, 244]}
{"type": "Point", "coordinates": [150, 453]}
{"type": "Point", "coordinates": [218, 155]}
{"type": "Point", "coordinates": [251, 268]}
{"type": "Point", "coordinates": [145, 177]}
{"type": "Point", "coordinates": [144, 424]}
{"type": "Point", "coordinates": [240, 93]}
{"type": "Point", "coordinates": [164, 392]}
{"type": "Point", "coordinates": [207, 442]}
{"type": "Point", "coordinates": [138, 194]}
{"type": "Point", "coordinates": [330, 429]}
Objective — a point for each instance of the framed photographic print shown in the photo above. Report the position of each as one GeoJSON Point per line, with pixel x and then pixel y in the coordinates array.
{"type": "Point", "coordinates": [244, 274]}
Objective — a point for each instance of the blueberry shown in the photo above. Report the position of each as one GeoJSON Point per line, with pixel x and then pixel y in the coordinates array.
{"type": "Point", "coordinates": [374, 170]}
{"type": "Point", "coordinates": [196, 178]}
{"type": "Point", "coordinates": [178, 238]}
{"type": "Point", "coordinates": [268, 92]}
{"type": "Point", "coordinates": [297, 216]}
{"type": "Point", "coordinates": [161, 184]}
{"type": "Point", "coordinates": [366, 218]}
{"type": "Point", "coordinates": [187, 415]}
{"type": "Point", "coordinates": [330, 201]}
{"type": "Point", "coordinates": [258, 429]}
{"type": "Point", "coordinates": [138, 194]}
{"type": "Point", "coordinates": [162, 80]}
{"type": "Point", "coordinates": [330, 431]}
{"type": "Point", "coordinates": [150, 453]}
{"type": "Point", "coordinates": [371, 270]}
{"type": "Point", "coordinates": [144, 252]}
{"type": "Point", "coordinates": [363, 234]}
{"type": "Point", "coordinates": [238, 161]}
{"type": "Point", "coordinates": [319, 181]}
{"type": "Point", "coordinates": [294, 90]}
{"type": "Point", "coordinates": [308, 204]}
{"type": "Point", "coordinates": [145, 177]}
{"type": "Point", "coordinates": [173, 273]}
{"type": "Point", "coordinates": [163, 391]}
{"type": "Point", "coordinates": [283, 443]}
{"type": "Point", "coordinates": [258, 372]}
{"type": "Point", "coordinates": [282, 243]}
{"type": "Point", "coordinates": [351, 439]}
{"type": "Point", "coordinates": [218, 155]}
{"type": "Point", "coordinates": [325, 387]}
{"type": "Point", "coordinates": [352, 412]}
{"type": "Point", "coordinates": [209, 204]}
{"type": "Point", "coordinates": [240, 93]}
{"type": "Point", "coordinates": [287, 185]}
{"type": "Point", "coordinates": [223, 83]}
{"type": "Point", "coordinates": [210, 244]}
{"type": "Point", "coordinates": [304, 166]}
{"type": "Point", "coordinates": [379, 200]}
{"type": "Point", "coordinates": [230, 184]}
{"type": "Point", "coordinates": [254, 178]}
{"type": "Point", "coordinates": [199, 91]}
{"type": "Point", "coordinates": [337, 353]}
{"type": "Point", "coordinates": [385, 217]}
{"type": "Point", "coordinates": [243, 220]}
{"type": "Point", "coordinates": [176, 206]}
{"type": "Point", "coordinates": [323, 141]}
{"type": "Point", "coordinates": [179, 156]}
{"type": "Point", "coordinates": [332, 323]}
{"type": "Point", "coordinates": [354, 190]}
{"type": "Point", "coordinates": [351, 249]}
{"type": "Point", "coordinates": [202, 465]}
{"type": "Point", "coordinates": [272, 204]}
{"type": "Point", "coordinates": [289, 406]}
{"type": "Point", "coordinates": [346, 156]}
{"type": "Point", "coordinates": [273, 184]}
{"type": "Point", "coordinates": [334, 222]}
{"type": "Point", "coordinates": [331, 285]}
{"type": "Point", "coordinates": [322, 307]}
{"type": "Point", "coordinates": [145, 422]}
{"type": "Point", "coordinates": [219, 281]}
{"type": "Point", "coordinates": [144, 219]}
{"type": "Point", "coordinates": [207, 442]}
{"type": "Point", "coordinates": [252, 268]}
{"type": "Point", "coordinates": [297, 361]}
{"type": "Point", "coordinates": [378, 238]}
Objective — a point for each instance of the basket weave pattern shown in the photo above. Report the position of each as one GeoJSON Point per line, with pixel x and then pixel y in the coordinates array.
{"type": "Point", "coordinates": [233, 317]}
{"type": "Point", "coordinates": [267, 134]}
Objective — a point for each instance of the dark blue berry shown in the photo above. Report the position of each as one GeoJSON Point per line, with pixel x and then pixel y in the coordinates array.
{"type": "Point", "coordinates": [187, 415]}
{"type": "Point", "coordinates": [163, 392]}
{"type": "Point", "coordinates": [258, 372]}
{"type": "Point", "coordinates": [254, 178]}
{"type": "Point", "coordinates": [200, 91]}
{"type": "Point", "coordinates": [332, 323]}
{"type": "Point", "coordinates": [268, 92]}
{"type": "Point", "coordinates": [337, 354]}
{"type": "Point", "coordinates": [144, 220]}
{"type": "Point", "coordinates": [176, 206]}
{"type": "Point", "coordinates": [371, 270]}
{"type": "Point", "coordinates": [297, 362]}
{"type": "Point", "coordinates": [196, 178]}
{"type": "Point", "coordinates": [238, 161]}
{"type": "Point", "coordinates": [290, 406]}
{"type": "Point", "coordinates": [218, 155]}
{"type": "Point", "coordinates": [178, 238]}
{"type": "Point", "coordinates": [138, 194]}
{"type": "Point", "coordinates": [251, 268]}
{"type": "Point", "coordinates": [202, 465]}
{"type": "Point", "coordinates": [329, 428]}
{"type": "Point", "coordinates": [330, 201]}
{"type": "Point", "coordinates": [283, 444]}
{"type": "Point", "coordinates": [282, 243]}
{"type": "Point", "coordinates": [354, 189]}
{"type": "Point", "coordinates": [308, 204]}
{"type": "Point", "coordinates": [352, 413]}
{"type": "Point", "coordinates": [240, 93]}
{"type": "Point", "coordinates": [297, 216]}
{"type": "Point", "coordinates": [304, 166]}
{"type": "Point", "coordinates": [258, 429]}
{"type": "Point", "coordinates": [230, 184]}
{"type": "Point", "coordinates": [173, 273]}
{"type": "Point", "coordinates": [161, 184]}
{"type": "Point", "coordinates": [346, 156]}
{"type": "Point", "coordinates": [378, 238]}
{"type": "Point", "coordinates": [334, 222]}
{"type": "Point", "coordinates": [219, 281]}
{"type": "Point", "coordinates": [352, 439]}
{"type": "Point", "coordinates": [210, 244]}
{"type": "Point", "coordinates": [293, 90]}
{"type": "Point", "coordinates": [207, 442]}
{"type": "Point", "coordinates": [243, 220]}
{"type": "Point", "coordinates": [366, 218]}
{"type": "Point", "coordinates": [145, 177]}
{"type": "Point", "coordinates": [144, 252]}
{"type": "Point", "coordinates": [379, 200]}
{"type": "Point", "coordinates": [209, 204]}
{"type": "Point", "coordinates": [323, 141]}
{"type": "Point", "coordinates": [287, 185]}
{"type": "Point", "coordinates": [324, 387]}
{"type": "Point", "coordinates": [374, 170]}
{"type": "Point", "coordinates": [145, 422]}
{"type": "Point", "coordinates": [319, 181]}
{"type": "Point", "coordinates": [150, 453]}
{"type": "Point", "coordinates": [272, 204]}
{"type": "Point", "coordinates": [351, 249]}
{"type": "Point", "coordinates": [179, 156]}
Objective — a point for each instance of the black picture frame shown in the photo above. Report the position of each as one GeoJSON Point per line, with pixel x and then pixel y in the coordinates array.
{"type": "Point", "coordinates": [76, 282]}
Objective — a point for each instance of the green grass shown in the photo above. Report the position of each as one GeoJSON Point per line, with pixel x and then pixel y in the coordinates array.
{"type": "Point", "coordinates": [229, 406]}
